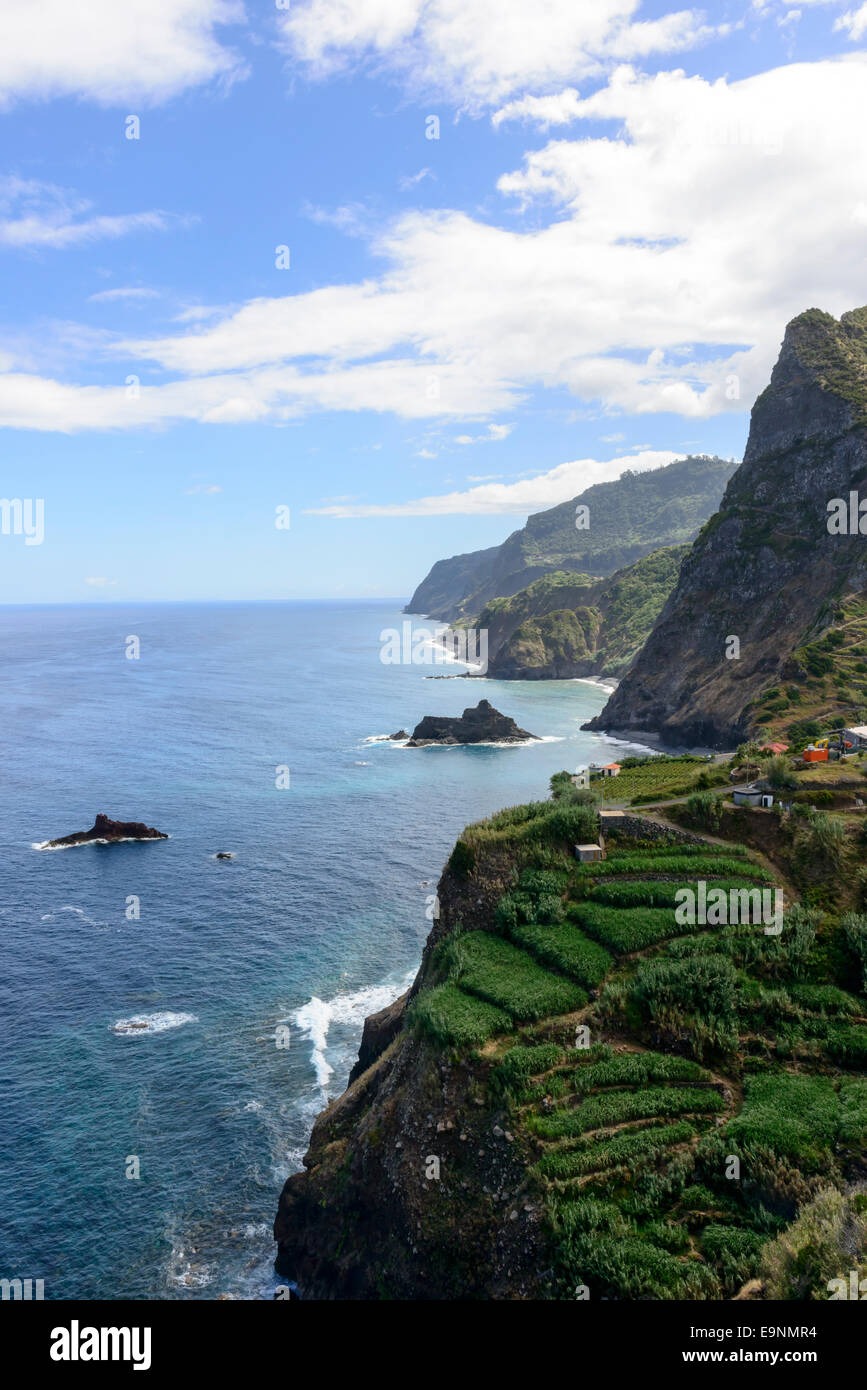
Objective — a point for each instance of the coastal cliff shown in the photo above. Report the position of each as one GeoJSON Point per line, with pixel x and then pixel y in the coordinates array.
{"type": "Point", "coordinates": [767, 579]}
{"type": "Point", "coordinates": [624, 520]}
{"type": "Point", "coordinates": [568, 625]}
{"type": "Point", "coordinates": [552, 1110]}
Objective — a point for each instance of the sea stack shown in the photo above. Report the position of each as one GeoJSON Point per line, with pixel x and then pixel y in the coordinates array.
{"type": "Point", "coordinates": [484, 724]}
{"type": "Point", "coordinates": [104, 829]}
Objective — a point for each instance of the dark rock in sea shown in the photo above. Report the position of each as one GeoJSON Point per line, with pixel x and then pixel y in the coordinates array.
{"type": "Point", "coordinates": [401, 733]}
{"type": "Point", "coordinates": [484, 724]}
{"type": "Point", "coordinates": [224, 854]}
{"type": "Point", "coordinates": [105, 829]}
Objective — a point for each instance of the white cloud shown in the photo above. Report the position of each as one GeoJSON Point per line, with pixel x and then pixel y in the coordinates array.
{"type": "Point", "coordinates": [29, 401]}
{"type": "Point", "coordinates": [99, 582]}
{"type": "Point", "coordinates": [206, 488]}
{"type": "Point", "coordinates": [410, 180]}
{"type": "Point", "coordinates": [481, 53]}
{"type": "Point", "coordinates": [112, 51]}
{"type": "Point", "coordinates": [36, 215]}
{"type": "Point", "coordinates": [853, 23]}
{"type": "Point", "coordinates": [677, 246]}
{"type": "Point", "coordinates": [494, 434]}
{"type": "Point", "coordinates": [557, 109]}
{"type": "Point", "coordinates": [121, 292]}
{"type": "Point", "coordinates": [505, 499]}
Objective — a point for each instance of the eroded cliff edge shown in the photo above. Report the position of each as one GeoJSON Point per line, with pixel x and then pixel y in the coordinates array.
{"type": "Point", "coordinates": [364, 1221]}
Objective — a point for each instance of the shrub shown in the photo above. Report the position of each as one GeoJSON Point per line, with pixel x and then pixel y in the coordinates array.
{"type": "Point", "coordinates": [614, 1107]}
{"type": "Point", "coordinates": [652, 892]}
{"type": "Point", "coordinates": [637, 1069]}
{"type": "Point", "coordinates": [567, 949]}
{"type": "Point", "coordinates": [520, 1063]}
{"type": "Point", "coordinates": [735, 1251]}
{"type": "Point", "coordinates": [847, 1046]}
{"type": "Point", "coordinates": [503, 975]}
{"type": "Point", "coordinates": [550, 882]}
{"type": "Point", "coordinates": [704, 866]}
{"type": "Point", "coordinates": [704, 809]}
{"type": "Point", "coordinates": [780, 776]}
{"type": "Point", "coordinates": [628, 1267]}
{"type": "Point", "coordinates": [625, 929]}
{"type": "Point", "coordinates": [828, 835]}
{"type": "Point", "coordinates": [700, 987]}
{"type": "Point", "coordinates": [828, 1239]}
{"type": "Point", "coordinates": [590, 1156]}
{"type": "Point", "coordinates": [853, 1111]}
{"type": "Point", "coordinates": [794, 1116]}
{"type": "Point", "coordinates": [451, 1016]}
{"type": "Point", "coordinates": [854, 927]}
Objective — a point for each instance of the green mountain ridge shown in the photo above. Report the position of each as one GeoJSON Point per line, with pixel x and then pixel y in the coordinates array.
{"type": "Point", "coordinates": [567, 625]}
{"type": "Point", "coordinates": [628, 518]}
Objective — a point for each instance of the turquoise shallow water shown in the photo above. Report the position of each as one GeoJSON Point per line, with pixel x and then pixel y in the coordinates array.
{"type": "Point", "coordinates": [318, 920]}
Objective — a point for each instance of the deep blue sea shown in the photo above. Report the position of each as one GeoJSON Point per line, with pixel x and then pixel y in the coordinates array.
{"type": "Point", "coordinates": [318, 920]}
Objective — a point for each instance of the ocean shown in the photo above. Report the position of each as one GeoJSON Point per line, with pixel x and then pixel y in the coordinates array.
{"type": "Point", "coordinates": [172, 1022]}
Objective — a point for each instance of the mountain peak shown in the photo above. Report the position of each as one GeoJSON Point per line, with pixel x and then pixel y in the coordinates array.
{"type": "Point", "coordinates": [766, 578]}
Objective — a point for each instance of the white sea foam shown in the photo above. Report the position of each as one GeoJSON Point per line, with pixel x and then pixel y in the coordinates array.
{"type": "Point", "coordinates": [185, 1273]}
{"type": "Point", "coordinates": [627, 744]}
{"type": "Point", "coordinates": [79, 844]}
{"type": "Point", "coordinates": [498, 743]}
{"type": "Point", "coordinates": [152, 1023]}
{"type": "Point", "coordinates": [76, 912]}
{"type": "Point", "coordinates": [315, 1018]}
{"type": "Point", "coordinates": [608, 683]}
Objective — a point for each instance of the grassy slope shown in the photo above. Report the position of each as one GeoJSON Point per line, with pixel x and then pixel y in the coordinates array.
{"type": "Point", "coordinates": [565, 617]}
{"type": "Point", "coordinates": [704, 1044]}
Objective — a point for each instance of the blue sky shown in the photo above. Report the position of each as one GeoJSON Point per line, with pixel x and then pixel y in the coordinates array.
{"type": "Point", "coordinates": [590, 269]}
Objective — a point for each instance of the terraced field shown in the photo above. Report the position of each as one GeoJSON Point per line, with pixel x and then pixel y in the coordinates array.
{"type": "Point", "coordinates": [713, 1088]}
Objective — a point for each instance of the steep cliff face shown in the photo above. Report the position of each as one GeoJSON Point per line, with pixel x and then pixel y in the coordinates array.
{"type": "Point", "coordinates": [368, 1219]}
{"type": "Point", "coordinates": [765, 570]}
{"type": "Point", "coordinates": [565, 625]}
{"type": "Point", "coordinates": [628, 518]}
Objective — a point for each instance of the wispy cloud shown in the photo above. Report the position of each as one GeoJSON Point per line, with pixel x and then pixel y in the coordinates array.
{"type": "Point", "coordinates": [411, 180]}
{"type": "Point", "coordinates": [35, 215]}
{"type": "Point", "coordinates": [120, 293]}
{"type": "Point", "coordinates": [502, 499]}
{"type": "Point", "coordinates": [494, 434]}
